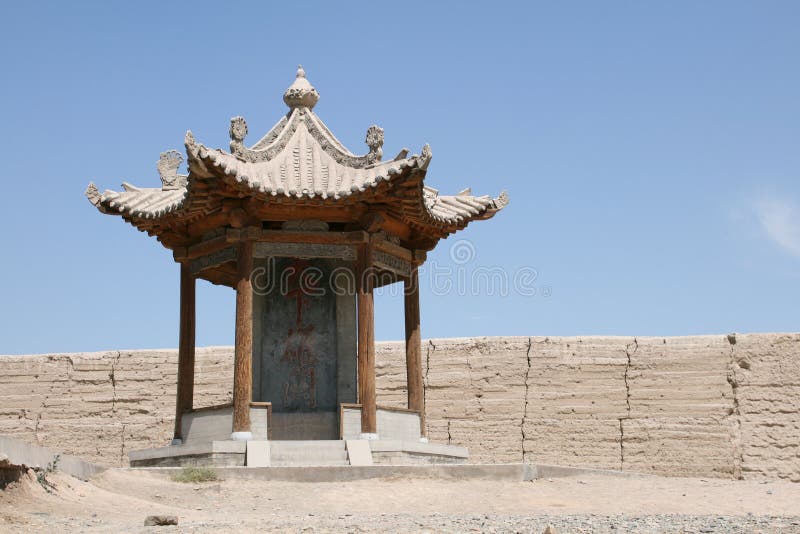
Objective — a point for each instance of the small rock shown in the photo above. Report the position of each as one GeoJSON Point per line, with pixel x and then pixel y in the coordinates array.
{"type": "Point", "coordinates": [549, 530]}
{"type": "Point", "coordinates": [160, 520]}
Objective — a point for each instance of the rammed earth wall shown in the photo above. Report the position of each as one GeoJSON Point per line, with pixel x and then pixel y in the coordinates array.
{"type": "Point", "coordinates": [724, 406]}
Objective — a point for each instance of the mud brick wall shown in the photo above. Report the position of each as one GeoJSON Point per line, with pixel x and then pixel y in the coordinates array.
{"type": "Point", "coordinates": [723, 406]}
{"type": "Point", "coordinates": [101, 405]}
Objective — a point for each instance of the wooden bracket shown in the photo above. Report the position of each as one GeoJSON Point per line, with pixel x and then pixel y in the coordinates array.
{"type": "Point", "coordinates": [372, 222]}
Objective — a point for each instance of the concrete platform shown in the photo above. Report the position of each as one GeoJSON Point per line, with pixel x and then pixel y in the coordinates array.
{"type": "Point", "coordinates": [299, 453]}
{"type": "Point", "coordinates": [509, 472]}
{"type": "Point", "coordinates": [211, 454]}
{"type": "Point", "coordinates": [497, 472]}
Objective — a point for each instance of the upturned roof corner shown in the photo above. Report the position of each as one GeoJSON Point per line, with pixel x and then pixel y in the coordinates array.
{"type": "Point", "coordinates": [298, 162]}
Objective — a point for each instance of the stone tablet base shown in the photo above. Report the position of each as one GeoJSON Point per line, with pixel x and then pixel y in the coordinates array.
{"type": "Point", "coordinates": [228, 453]}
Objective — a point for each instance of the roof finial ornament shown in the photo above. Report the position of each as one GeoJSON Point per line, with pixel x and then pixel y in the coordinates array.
{"type": "Point", "coordinates": [301, 94]}
{"type": "Point", "coordinates": [374, 141]}
{"type": "Point", "coordinates": [93, 194]}
{"type": "Point", "coordinates": [167, 165]}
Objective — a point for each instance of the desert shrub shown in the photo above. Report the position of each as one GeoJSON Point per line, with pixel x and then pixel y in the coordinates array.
{"type": "Point", "coordinates": [195, 474]}
{"type": "Point", "coordinates": [41, 476]}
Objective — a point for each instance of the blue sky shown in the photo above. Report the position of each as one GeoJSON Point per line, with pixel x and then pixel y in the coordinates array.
{"type": "Point", "coordinates": [651, 152]}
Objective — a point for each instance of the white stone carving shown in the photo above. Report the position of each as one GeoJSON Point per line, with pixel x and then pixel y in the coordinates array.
{"type": "Point", "coordinates": [238, 130]}
{"type": "Point", "coordinates": [92, 194]}
{"type": "Point", "coordinates": [501, 201]}
{"type": "Point", "coordinates": [425, 157]}
{"type": "Point", "coordinates": [301, 93]}
{"type": "Point", "coordinates": [167, 166]}
{"type": "Point", "coordinates": [374, 141]}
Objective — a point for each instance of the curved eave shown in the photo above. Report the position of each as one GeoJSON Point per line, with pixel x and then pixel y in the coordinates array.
{"type": "Point", "coordinates": [303, 173]}
{"type": "Point", "coordinates": [147, 209]}
{"type": "Point", "coordinates": [430, 215]}
{"type": "Point", "coordinates": [438, 216]}
{"type": "Point", "coordinates": [147, 203]}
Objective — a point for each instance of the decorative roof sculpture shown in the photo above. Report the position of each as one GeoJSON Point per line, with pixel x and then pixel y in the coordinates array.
{"type": "Point", "coordinates": [298, 170]}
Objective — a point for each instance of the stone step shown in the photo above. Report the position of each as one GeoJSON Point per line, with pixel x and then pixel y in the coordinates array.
{"type": "Point", "coordinates": [308, 453]}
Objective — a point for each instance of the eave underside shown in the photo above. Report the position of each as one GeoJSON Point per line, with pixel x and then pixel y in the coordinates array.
{"type": "Point", "coordinates": [298, 171]}
{"type": "Point", "coordinates": [213, 202]}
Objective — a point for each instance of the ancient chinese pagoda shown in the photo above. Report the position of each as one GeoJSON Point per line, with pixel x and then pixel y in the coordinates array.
{"type": "Point", "coordinates": [304, 231]}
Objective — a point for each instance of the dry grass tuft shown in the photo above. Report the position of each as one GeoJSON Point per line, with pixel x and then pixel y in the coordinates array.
{"type": "Point", "coordinates": [195, 474]}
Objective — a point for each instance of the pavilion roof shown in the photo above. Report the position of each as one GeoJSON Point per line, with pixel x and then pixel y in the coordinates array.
{"type": "Point", "coordinates": [298, 162]}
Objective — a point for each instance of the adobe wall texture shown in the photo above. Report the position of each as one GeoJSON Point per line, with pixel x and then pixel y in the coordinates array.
{"type": "Point", "coordinates": [722, 406]}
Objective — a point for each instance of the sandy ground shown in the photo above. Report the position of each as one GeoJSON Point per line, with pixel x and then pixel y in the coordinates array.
{"type": "Point", "coordinates": [119, 501]}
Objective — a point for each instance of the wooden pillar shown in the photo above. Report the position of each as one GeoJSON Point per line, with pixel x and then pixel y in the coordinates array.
{"type": "Point", "coordinates": [185, 393]}
{"type": "Point", "coordinates": [416, 388]}
{"type": "Point", "coordinates": [243, 355]}
{"type": "Point", "coordinates": [366, 342]}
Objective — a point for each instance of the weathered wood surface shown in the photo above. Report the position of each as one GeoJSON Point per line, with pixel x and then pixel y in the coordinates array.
{"type": "Point", "coordinates": [416, 388]}
{"type": "Point", "coordinates": [366, 343]}
{"type": "Point", "coordinates": [186, 357]}
{"type": "Point", "coordinates": [243, 358]}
